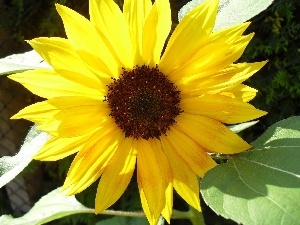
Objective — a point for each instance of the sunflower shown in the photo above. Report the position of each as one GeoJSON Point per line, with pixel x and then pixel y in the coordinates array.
{"type": "Point", "coordinates": [123, 99]}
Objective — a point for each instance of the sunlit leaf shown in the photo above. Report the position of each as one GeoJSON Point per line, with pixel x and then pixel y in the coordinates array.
{"type": "Point", "coordinates": [21, 62]}
{"type": "Point", "coordinates": [52, 206]}
{"type": "Point", "coordinates": [260, 186]}
{"type": "Point", "coordinates": [11, 166]}
{"type": "Point", "coordinates": [231, 12]}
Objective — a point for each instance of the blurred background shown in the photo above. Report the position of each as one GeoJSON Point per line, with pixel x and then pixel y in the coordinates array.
{"type": "Point", "coordinates": [277, 38]}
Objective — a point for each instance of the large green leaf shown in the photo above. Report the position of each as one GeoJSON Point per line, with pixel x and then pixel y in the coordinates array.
{"type": "Point", "coordinates": [11, 166]}
{"type": "Point", "coordinates": [231, 12]}
{"type": "Point", "coordinates": [262, 185]}
{"type": "Point", "coordinates": [21, 62]}
{"type": "Point", "coordinates": [52, 206]}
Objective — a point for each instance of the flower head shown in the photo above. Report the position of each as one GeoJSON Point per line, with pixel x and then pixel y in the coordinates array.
{"type": "Point", "coordinates": [121, 102]}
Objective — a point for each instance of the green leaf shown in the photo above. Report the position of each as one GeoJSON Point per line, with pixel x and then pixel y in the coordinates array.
{"type": "Point", "coordinates": [262, 185]}
{"type": "Point", "coordinates": [231, 12]}
{"type": "Point", "coordinates": [242, 126]}
{"type": "Point", "coordinates": [11, 166]}
{"type": "Point", "coordinates": [21, 62]}
{"type": "Point", "coordinates": [52, 206]}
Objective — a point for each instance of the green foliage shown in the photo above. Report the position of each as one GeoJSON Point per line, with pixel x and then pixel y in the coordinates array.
{"type": "Point", "coordinates": [277, 38]}
{"type": "Point", "coordinates": [25, 20]}
{"type": "Point", "coordinates": [11, 166]}
{"type": "Point", "coordinates": [260, 186]}
{"type": "Point", "coordinates": [50, 207]}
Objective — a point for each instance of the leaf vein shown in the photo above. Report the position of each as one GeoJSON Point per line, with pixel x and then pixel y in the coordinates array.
{"type": "Point", "coordinates": [271, 147]}
{"type": "Point", "coordinates": [271, 167]}
{"type": "Point", "coordinates": [264, 195]}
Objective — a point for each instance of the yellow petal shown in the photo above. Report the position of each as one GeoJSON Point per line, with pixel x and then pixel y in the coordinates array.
{"type": "Point", "coordinates": [65, 102]}
{"type": "Point", "coordinates": [99, 67]}
{"type": "Point", "coordinates": [185, 180]}
{"type": "Point", "coordinates": [241, 92]}
{"type": "Point", "coordinates": [156, 30]}
{"type": "Point", "coordinates": [210, 134]}
{"type": "Point", "coordinates": [190, 33]}
{"type": "Point", "coordinates": [60, 54]}
{"type": "Point", "coordinates": [189, 150]}
{"type": "Point", "coordinates": [226, 46]}
{"type": "Point", "coordinates": [49, 84]}
{"type": "Point", "coordinates": [230, 33]}
{"type": "Point", "coordinates": [233, 53]}
{"type": "Point", "coordinates": [99, 85]}
{"type": "Point", "coordinates": [151, 180]}
{"type": "Point", "coordinates": [76, 120]}
{"type": "Point", "coordinates": [231, 76]}
{"type": "Point", "coordinates": [231, 36]}
{"type": "Point", "coordinates": [151, 219]}
{"type": "Point", "coordinates": [201, 63]}
{"type": "Point", "coordinates": [168, 208]}
{"type": "Point", "coordinates": [211, 58]}
{"type": "Point", "coordinates": [38, 113]}
{"type": "Point", "coordinates": [116, 176]}
{"type": "Point", "coordinates": [58, 115]}
{"type": "Point", "coordinates": [108, 18]}
{"type": "Point", "coordinates": [58, 148]}
{"type": "Point", "coordinates": [220, 81]}
{"type": "Point", "coordinates": [166, 169]}
{"type": "Point", "coordinates": [236, 50]}
{"type": "Point", "coordinates": [222, 108]}
{"type": "Point", "coordinates": [136, 12]}
{"type": "Point", "coordinates": [96, 137]}
{"type": "Point", "coordinates": [84, 37]}
{"type": "Point", "coordinates": [90, 163]}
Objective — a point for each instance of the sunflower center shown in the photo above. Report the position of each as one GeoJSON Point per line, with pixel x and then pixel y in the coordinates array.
{"type": "Point", "coordinates": [143, 102]}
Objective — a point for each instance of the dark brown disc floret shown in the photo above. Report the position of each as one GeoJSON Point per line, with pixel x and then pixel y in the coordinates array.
{"type": "Point", "coordinates": [143, 102]}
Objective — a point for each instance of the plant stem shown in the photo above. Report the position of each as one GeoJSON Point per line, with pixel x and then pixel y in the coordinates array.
{"type": "Point", "coordinates": [196, 217]}
{"type": "Point", "coordinates": [175, 215]}
{"type": "Point", "coordinates": [123, 213]}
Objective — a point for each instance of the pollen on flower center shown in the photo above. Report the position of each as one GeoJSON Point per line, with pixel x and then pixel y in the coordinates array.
{"type": "Point", "coordinates": [143, 102]}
